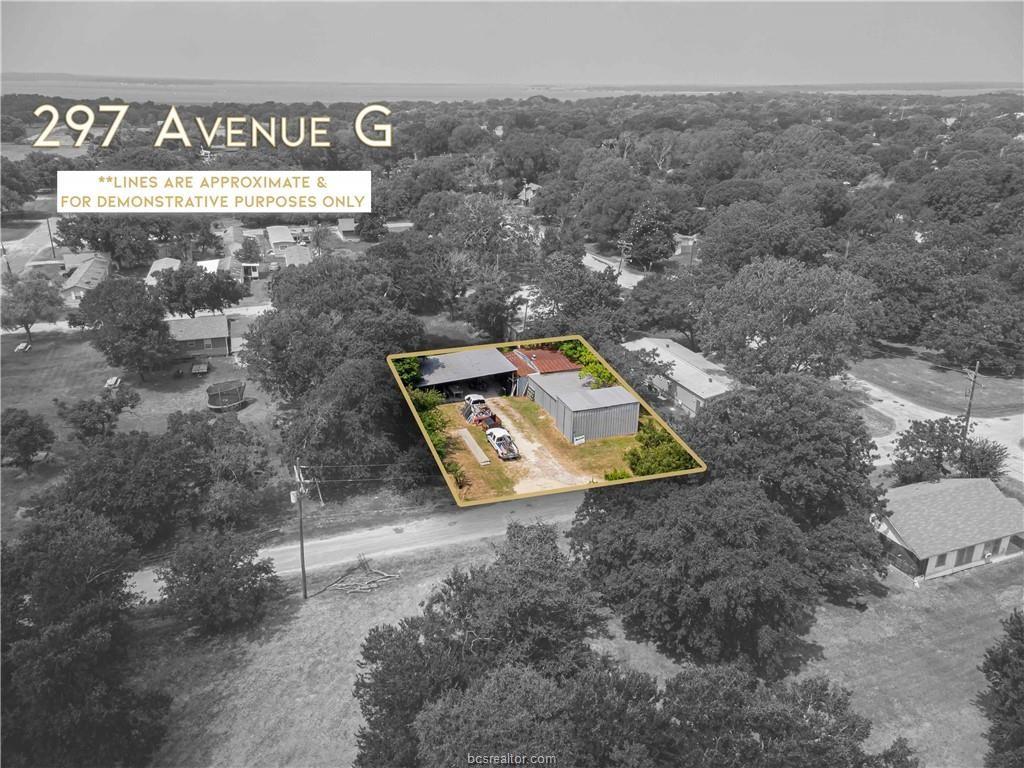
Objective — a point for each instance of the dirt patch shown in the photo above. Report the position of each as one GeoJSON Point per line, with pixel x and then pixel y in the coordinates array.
{"type": "Point", "coordinates": [538, 468]}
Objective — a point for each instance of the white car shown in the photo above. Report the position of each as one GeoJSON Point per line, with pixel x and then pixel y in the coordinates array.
{"type": "Point", "coordinates": [474, 399]}
{"type": "Point", "coordinates": [502, 443]}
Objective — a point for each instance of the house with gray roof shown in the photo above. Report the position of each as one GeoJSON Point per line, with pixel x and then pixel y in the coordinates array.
{"type": "Point", "coordinates": [937, 528]}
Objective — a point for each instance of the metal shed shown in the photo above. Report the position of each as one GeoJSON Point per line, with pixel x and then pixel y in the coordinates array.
{"type": "Point", "coordinates": [581, 413]}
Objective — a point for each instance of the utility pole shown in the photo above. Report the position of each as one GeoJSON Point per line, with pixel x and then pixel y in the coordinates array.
{"type": "Point", "coordinates": [302, 539]}
{"type": "Point", "coordinates": [53, 251]}
{"type": "Point", "coordinates": [973, 376]}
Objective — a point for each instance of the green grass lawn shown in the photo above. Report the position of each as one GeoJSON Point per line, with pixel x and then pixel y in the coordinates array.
{"type": "Point", "coordinates": [911, 659]}
{"type": "Point", "coordinates": [910, 376]}
{"type": "Point", "coordinates": [64, 366]}
{"type": "Point", "coordinates": [482, 482]}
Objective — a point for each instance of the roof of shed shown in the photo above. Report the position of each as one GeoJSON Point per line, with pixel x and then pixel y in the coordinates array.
{"type": "Point", "coordinates": [571, 390]}
{"type": "Point", "coordinates": [460, 366]}
{"type": "Point", "coordinates": [942, 516]}
{"type": "Point", "coordinates": [689, 369]}
{"type": "Point", "coordinates": [529, 361]}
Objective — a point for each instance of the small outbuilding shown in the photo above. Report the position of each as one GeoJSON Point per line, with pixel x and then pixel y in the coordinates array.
{"type": "Point", "coordinates": [937, 528]}
{"type": "Point", "coordinates": [582, 413]}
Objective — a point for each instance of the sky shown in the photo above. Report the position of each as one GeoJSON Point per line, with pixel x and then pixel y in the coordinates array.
{"type": "Point", "coordinates": [732, 43]}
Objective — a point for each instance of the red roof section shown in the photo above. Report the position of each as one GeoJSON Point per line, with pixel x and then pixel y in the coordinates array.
{"type": "Point", "coordinates": [544, 361]}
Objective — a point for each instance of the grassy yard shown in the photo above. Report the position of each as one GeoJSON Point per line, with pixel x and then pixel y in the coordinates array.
{"type": "Point", "coordinates": [877, 423]}
{"type": "Point", "coordinates": [282, 695]}
{"type": "Point", "coordinates": [902, 371]}
{"type": "Point", "coordinates": [911, 658]}
{"type": "Point", "coordinates": [64, 366]}
{"type": "Point", "coordinates": [594, 457]}
{"type": "Point", "coordinates": [482, 482]}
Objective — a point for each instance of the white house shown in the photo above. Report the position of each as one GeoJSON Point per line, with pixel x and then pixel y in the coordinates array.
{"type": "Point", "coordinates": [693, 379]}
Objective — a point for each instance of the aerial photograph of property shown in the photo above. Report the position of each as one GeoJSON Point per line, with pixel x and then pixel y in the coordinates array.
{"type": "Point", "coordinates": [536, 417]}
{"type": "Point", "coordinates": [579, 384]}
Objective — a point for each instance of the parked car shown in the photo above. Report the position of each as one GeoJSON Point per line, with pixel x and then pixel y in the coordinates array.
{"type": "Point", "coordinates": [480, 415]}
{"type": "Point", "coordinates": [112, 383]}
{"type": "Point", "coordinates": [23, 347]}
{"type": "Point", "coordinates": [502, 443]}
{"type": "Point", "coordinates": [472, 399]}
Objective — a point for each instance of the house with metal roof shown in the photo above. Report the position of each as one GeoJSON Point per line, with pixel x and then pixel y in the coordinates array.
{"type": "Point", "coordinates": [296, 255]}
{"type": "Point", "coordinates": [937, 528]}
{"type": "Point", "coordinates": [279, 238]}
{"type": "Point", "coordinates": [206, 336]}
{"type": "Point", "coordinates": [693, 380]}
{"type": "Point", "coordinates": [86, 276]}
{"type": "Point", "coordinates": [581, 413]}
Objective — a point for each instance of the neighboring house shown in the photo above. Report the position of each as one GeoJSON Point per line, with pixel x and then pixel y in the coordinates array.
{"type": "Point", "coordinates": [232, 262]}
{"type": "Point", "coordinates": [86, 276]}
{"type": "Point", "coordinates": [296, 255]}
{"type": "Point", "coordinates": [693, 379]}
{"type": "Point", "coordinates": [346, 226]}
{"type": "Point", "coordinates": [159, 266]}
{"type": "Point", "coordinates": [485, 368]}
{"type": "Point", "coordinates": [279, 238]}
{"type": "Point", "coordinates": [582, 413]}
{"type": "Point", "coordinates": [934, 529]}
{"type": "Point", "coordinates": [206, 336]}
{"type": "Point", "coordinates": [686, 245]}
{"type": "Point", "coordinates": [531, 361]}
{"type": "Point", "coordinates": [528, 192]}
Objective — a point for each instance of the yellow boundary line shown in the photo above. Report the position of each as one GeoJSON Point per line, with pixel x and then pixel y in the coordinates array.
{"type": "Point", "coordinates": [450, 481]}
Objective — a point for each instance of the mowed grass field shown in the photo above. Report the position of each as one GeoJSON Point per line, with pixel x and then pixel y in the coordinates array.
{"type": "Point", "coordinates": [282, 694]}
{"type": "Point", "coordinates": [916, 379]}
{"type": "Point", "coordinates": [911, 659]}
{"type": "Point", "coordinates": [64, 366]}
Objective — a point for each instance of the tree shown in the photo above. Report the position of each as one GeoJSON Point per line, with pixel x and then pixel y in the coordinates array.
{"type": "Point", "coordinates": [371, 227]}
{"type": "Point", "coordinates": [781, 316]}
{"type": "Point", "coordinates": [712, 572]}
{"type": "Point", "coordinates": [24, 436]}
{"type": "Point", "coordinates": [650, 236]}
{"type": "Point", "coordinates": [1003, 700]}
{"type": "Point", "coordinates": [726, 718]}
{"type": "Point", "coordinates": [217, 583]}
{"type": "Point", "coordinates": [190, 288]}
{"type": "Point", "coordinates": [125, 238]}
{"type": "Point", "coordinates": [531, 607]}
{"type": "Point", "coordinates": [408, 370]}
{"type": "Point", "coordinates": [930, 449]}
{"type": "Point", "coordinates": [95, 418]}
{"type": "Point", "coordinates": [29, 300]}
{"type": "Point", "coordinates": [665, 303]}
{"type": "Point", "coordinates": [805, 443]}
{"type": "Point", "coordinates": [65, 600]}
{"type": "Point", "coordinates": [137, 481]}
{"type": "Point", "coordinates": [127, 324]}
{"type": "Point", "coordinates": [657, 452]}
{"type": "Point", "coordinates": [492, 305]}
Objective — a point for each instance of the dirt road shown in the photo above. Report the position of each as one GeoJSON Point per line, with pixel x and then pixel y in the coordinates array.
{"type": "Point", "coordinates": [537, 468]}
{"type": "Point", "coordinates": [1007, 430]}
{"type": "Point", "coordinates": [438, 531]}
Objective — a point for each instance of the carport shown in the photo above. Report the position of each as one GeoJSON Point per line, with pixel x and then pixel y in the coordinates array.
{"type": "Point", "coordinates": [482, 369]}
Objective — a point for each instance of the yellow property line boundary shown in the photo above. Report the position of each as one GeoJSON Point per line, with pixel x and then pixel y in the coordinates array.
{"type": "Point", "coordinates": [450, 481]}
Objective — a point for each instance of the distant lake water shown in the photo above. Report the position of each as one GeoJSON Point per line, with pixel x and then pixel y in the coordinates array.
{"type": "Point", "coordinates": [210, 91]}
